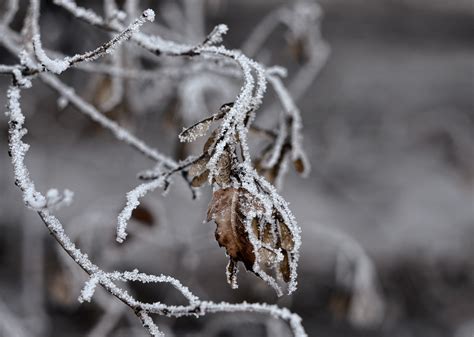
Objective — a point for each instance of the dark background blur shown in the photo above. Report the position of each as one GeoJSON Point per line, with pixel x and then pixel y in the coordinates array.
{"type": "Point", "coordinates": [389, 129]}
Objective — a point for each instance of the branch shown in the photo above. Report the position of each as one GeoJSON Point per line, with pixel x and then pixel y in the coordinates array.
{"type": "Point", "coordinates": [58, 66]}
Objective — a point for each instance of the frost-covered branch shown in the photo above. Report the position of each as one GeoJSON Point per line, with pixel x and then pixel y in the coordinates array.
{"type": "Point", "coordinates": [195, 307]}
{"type": "Point", "coordinates": [58, 66]}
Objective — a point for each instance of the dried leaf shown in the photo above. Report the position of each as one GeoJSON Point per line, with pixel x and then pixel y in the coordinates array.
{"type": "Point", "coordinates": [229, 208]}
{"type": "Point", "coordinates": [197, 130]}
{"type": "Point", "coordinates": [224, 169]}
{"type": "Point", "coordinates": [201, 179]}
{"type": "Point", "coordinates": [286, 238]}
{"type": "Point", "coordinates": [267, 256]}
{"type": "Point", "coordinates": [227, 211]}
{"type": "Point", "coordinates": [198, 167]}
{"type": "Point", "coordinates": [200, 128]}
{"type": "Point", "coordinates": [299, 165]}
{"type": "Point", "coordinates": [143, 215]}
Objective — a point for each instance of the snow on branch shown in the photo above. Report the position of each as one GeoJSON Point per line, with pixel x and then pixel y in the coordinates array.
{"type": "Point", "coordinates": [107, 280]}
{"type": "Point", "coordinates": [58, 66]}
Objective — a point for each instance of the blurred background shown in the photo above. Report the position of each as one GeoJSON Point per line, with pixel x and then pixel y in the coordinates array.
{"type": "Point", "coordinates": [387, 213]}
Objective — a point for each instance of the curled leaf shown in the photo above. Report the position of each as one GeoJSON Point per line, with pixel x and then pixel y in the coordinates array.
{"type": "Point", "coordinates": [200, 128]}
{"type": "Point", "coordinates": [195, 131]}
{"type": "Point", "coordinates": [200, 179]}
{"type": "Point", "coordinates": [227, 210]}
{"type": "Point", "coordinates": [299, 165]}
{"type": "Point", "coordinates": [287, 242]}
{"type": "Point", "coordinates": [198, 167]}
{"type": "Point", "coordinates": [143, 215]}
{"type": "Point", "coordinates": [247, 237]}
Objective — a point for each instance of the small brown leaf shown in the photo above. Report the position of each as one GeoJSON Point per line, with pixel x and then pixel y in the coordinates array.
{"type": "Point", "coordinates": [228, 213]}
{"type": "Point", "coordinates": [267, 256]}
{"type": "Point", "coordinates": [143, 215]}
{"type": "Point", "coordinates": [224, 169]}
{"type": "Point", "coordinates": [201, 179]}
{"type": "Point", "coordinates": [286, 237]}
{"type": "Point", "coordinates": [256, 232]}
{"type": "Point", "coordinates": [299, 165]}
{"type": "Point", "coordinates": [198, 167]}
{"type": "Point", "coordinates": [195, 131]}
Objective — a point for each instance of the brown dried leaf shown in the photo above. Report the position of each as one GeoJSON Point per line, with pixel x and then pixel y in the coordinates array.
{"type": "Point", "coordinates": [267, 256]}
{"type": "Point", "coordinates": [227, 212]}
{"type": "Point", "coordinates": [286, 237]}
{"type": "Point", "coordinates": [299, 165]}
{"type": "Point", "coordinates": [198, 167]}
{"type": "Point", "coordinates": [143, 215]}
{"type": "Point", "coordinates": [224, 169]}
{"type": "Point", "coordinates": [228, 209]}
{"type": "Point", "coordinates": [255, 229]}
{"type": "Point", "coordinates": [200, 180]}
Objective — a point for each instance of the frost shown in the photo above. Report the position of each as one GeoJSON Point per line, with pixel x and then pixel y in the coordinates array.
{"type": "Point", "coordinates": [190, 135]}
{"type": "Point", "coordinates": [133, 198]}
{"type": "Point", "coordinates": [216, 35]}
{"type": "Point", "coordinates": [58, 66]}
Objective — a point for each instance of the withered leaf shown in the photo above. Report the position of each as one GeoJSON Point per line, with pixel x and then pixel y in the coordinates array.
{"type": "Point", "coordinates": [198, 167]}
{"type": "Point", "coordinates": [224, 169]}
{"type": "Point", "coordinates": [227, 211]}
{"type": "Point", "coordinates": [143, 215]}
{"type": "Point", "coordinates": [299, 165]}
{"type": "Point", "coordinates": [200, 180]}
{"type": "Point", "coordinates": [197, 130]}
{"type": "Point", "coordinates": [286, 237]}
{"type": "Point", "coordinates": [229, 208]}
